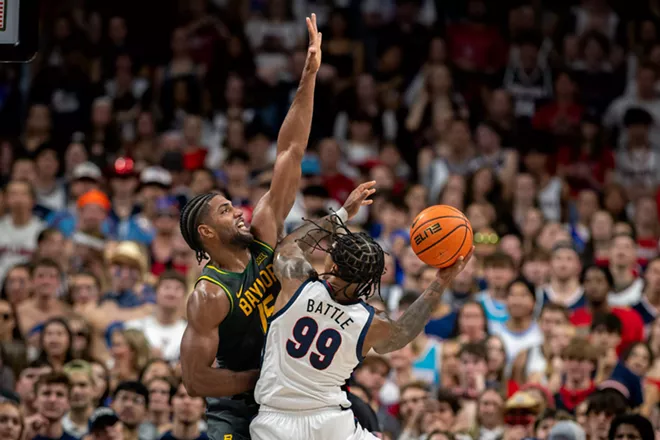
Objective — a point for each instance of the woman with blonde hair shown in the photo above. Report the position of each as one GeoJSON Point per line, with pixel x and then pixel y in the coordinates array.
{"type": "Point", "coordinates": [130, 354]}
{"type": "Point", "coordinates": [11, 421]}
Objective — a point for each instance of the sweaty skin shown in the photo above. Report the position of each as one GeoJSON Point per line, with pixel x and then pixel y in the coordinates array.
{"type": "Point", "coordinates": [209, 305]}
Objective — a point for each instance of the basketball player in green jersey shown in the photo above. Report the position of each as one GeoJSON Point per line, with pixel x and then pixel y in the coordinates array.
{"type": "Point", "coordinates": [228, 310]}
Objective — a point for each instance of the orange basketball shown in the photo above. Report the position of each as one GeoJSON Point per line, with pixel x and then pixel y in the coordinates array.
{"type": "Point", "coordinates": [440, 235]}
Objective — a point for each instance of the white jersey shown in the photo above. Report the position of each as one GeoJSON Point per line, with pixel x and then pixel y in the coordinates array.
{"type": "Point", "coordinates": [313, 344]}
{"type": "Point", "coordinates": [515, 342]}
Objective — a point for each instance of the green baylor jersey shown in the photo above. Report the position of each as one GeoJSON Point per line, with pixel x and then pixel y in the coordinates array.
{"type": "Point", "coordinates": [252, 295]}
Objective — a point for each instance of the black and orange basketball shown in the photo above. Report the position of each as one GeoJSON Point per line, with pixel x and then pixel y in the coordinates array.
{"type": "Point", "coordinates": [440, 235]}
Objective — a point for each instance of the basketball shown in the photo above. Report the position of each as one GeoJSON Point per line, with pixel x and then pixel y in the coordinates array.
{"type": "Point", "coordinates": [440, 235]}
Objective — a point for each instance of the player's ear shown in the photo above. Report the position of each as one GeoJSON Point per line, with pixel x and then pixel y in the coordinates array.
{"type": "Point", "coordinates": [205, 231]}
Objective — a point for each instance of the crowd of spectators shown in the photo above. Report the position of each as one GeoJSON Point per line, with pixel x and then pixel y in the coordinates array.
{"type": "Point", "coordinates": [539, 119]}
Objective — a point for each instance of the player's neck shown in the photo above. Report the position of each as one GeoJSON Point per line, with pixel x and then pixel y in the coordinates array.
{"type": "Point", "coordinates": [341, 292]}
{"type": "Point", "coordinates": [187, 431]}
{"type": "Point", "coordinates": [231, 259]}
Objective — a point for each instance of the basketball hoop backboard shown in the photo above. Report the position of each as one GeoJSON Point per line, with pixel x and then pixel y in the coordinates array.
{"type": "Point", "coordinates": [19, 30]}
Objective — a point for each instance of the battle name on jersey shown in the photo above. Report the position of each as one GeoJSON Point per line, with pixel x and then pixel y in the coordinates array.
{"type": "Point", "coordinates": [325, 309]}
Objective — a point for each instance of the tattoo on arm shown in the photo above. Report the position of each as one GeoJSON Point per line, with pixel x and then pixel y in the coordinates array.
{"type": "Point", "coordinates": [413, 320]}
{"type": "Point", "coordinates": [290, 260]}
{"type": "Point", "coordinates": [290, 263]}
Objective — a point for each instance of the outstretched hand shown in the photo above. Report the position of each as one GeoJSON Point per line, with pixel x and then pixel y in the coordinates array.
{"type": "Point", "coordinates": [359, 197]}
{"type": "Point", "coordinates": [446, 275]}
{"type": "Point", "coordinates": [313, 62]}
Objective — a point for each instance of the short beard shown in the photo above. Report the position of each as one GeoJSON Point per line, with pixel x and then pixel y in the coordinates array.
{"type": "Point", "coordinates": [242, 240]}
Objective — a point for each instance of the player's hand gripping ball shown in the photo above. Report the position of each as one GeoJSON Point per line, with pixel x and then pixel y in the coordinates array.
{"type": "Point", "coordinates": [440, 235]}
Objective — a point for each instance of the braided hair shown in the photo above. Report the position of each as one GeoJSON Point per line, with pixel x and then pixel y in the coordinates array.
{"type": "Point", "coordinates": [359, 258]}
{"type": "Point", "coordinates": [191, 214]}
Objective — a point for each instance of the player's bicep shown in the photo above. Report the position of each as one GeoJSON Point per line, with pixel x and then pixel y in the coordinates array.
{"type": "Point", "coordinates": [380, 332]}
{"type": "Point", "coordinates": [207, 308]}
{"type": "Point", "coordinates": [274, 206]}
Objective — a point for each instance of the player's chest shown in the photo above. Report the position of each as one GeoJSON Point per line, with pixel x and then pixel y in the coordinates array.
{"type": "Point", "coordinates": [255, 297]}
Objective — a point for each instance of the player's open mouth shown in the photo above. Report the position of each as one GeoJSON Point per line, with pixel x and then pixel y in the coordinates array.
{"type": "Point", "coordinates": [241, 224]}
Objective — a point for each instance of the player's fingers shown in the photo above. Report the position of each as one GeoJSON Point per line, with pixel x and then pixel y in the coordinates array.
{"type": "Point", "coordinates": [316, 28]}
{"type": "Point", "coordinates": [367, 202]}
{"type": "Point", "coordinates": [320, 39]}
{"type": "Point", "coordinates": [368, 184]}
{"type": "Point", "coordinates": [310, 29]}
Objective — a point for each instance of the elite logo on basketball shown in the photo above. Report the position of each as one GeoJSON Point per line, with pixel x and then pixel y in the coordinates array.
{"type": "Point", "coordinates": [425, 233]}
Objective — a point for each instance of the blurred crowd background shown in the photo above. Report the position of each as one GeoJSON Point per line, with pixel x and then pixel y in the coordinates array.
{"type": "Point", "coordinates": [539, 119]}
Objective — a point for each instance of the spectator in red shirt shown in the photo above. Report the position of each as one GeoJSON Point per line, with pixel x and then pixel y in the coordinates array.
{"type": "Point", "coordinates": [598, 282]}
{"type": "Point", "coordinates": [562, 116]}
{"type": "Point", "coordinates": [475, 46]}
{"type": "Point", "coordinates": [334, 170]}
{"type": "Point", "coordinates": [194, 153]}
{"type": "Point", "coordinates": [589, 163]}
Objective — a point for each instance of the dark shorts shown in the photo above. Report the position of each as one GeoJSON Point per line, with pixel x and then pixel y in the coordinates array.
{"type": "Point", "coordinates": [229, 419]}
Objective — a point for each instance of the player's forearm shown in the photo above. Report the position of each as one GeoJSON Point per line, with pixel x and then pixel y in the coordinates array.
{"type": "Point", "coordinates": [297, 124]}
{"type": "Point", "coordinates": [413, 320]}
{"type": "Point", "coordinates": [219, 382]}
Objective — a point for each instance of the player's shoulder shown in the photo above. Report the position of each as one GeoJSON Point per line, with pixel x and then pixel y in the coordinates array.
{"type": "Point", "coordinates": [207, 300]}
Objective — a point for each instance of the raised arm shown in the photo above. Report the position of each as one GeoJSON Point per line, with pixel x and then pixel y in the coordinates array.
{"type": "Point", "coordinates": [274, 206]}
{"type": "Point", "coordinates": [386, 335]}
{"type": "Point", "coordinates": [207, 308]}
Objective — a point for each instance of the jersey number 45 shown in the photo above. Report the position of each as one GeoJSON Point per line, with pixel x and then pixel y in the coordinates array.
{"type": "Point", "coordinates": [305, 334]}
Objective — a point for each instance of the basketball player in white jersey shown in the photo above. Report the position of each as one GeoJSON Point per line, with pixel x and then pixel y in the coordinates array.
{"type": "Point", "coordinates": [321, 328]}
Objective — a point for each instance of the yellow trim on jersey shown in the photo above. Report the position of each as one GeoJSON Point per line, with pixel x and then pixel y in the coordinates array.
{"type": "Point", "coordinates": [217, 270]}
{"type": "Point", "coordinates": [218, 283]}
{"type": "Point", "coordinates": [264, 245]}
